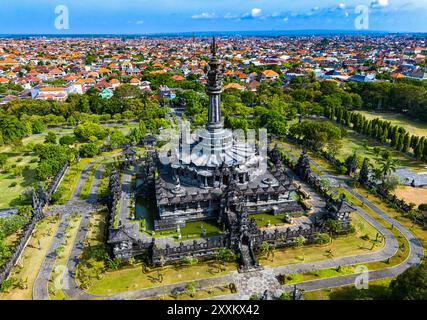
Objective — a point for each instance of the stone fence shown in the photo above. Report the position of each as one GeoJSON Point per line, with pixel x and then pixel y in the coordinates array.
{"type": "Point", "coordinates": [28, 229]}
{"type": "Point", "coordinates": [198, 248]}
{"type": "Point", "coordinates": [56, 181]}
{"type": "Point", "coordinates": [40, 199]}
{"type": "Point", "coordinates": [286, 237]}
{"type": "Point", "coordinates": [372, 186]}
{"type": "Point", "coordinates": [114, 195]}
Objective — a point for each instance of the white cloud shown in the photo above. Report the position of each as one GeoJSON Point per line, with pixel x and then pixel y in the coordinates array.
{"type": "Point", "coordinates": [380, 3]}
{"type": "Point", "coordinates": [256, 12]}
{"type": "Point", "coordinates": [140, 22]}
{"type": "Point", "coordinates": [342, 6]}
{"type": "Point", "coordinates": [204, 15]}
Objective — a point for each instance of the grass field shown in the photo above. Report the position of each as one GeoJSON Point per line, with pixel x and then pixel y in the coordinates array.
{"type": "Point", "coordinates": [84, 194]}
{"type": "Point", "coordinates": [133, 278]}
{"type": "Point", "coordinates": [55, 282]}
{"type": "Point", "coordinates": [262, 219]}
{"type": "Point", "coordinates": [350, 245]}
{"type": "Point", "coordinates": [412, 195]}
{"type": "Point", "coordinates": [32, 258]}
{"type": "Point", "coordinates": [364, 147]}
{"type": "Point", "coordinates": [22, 157]}
{"type": "Point", "coordinates": [70, 179]}
{"type": "Point", "coordinates": [199, 294]}
{"type": "Point", "coordinates": [398, 258]}
{"type": "Point", "coordinates": [377, 290]}
{"type": "Point", "coordinates": [413, 127]}
{"type": "Point", "coordinates": [418, 231]}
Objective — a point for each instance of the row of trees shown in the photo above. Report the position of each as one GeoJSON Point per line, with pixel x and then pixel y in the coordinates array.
{"type": "Point", "coordinates": [382, 131]}
{"type": "Point", "coordinates": [408, 97]}
{"type": "Point", "coordinates": [9, 226]}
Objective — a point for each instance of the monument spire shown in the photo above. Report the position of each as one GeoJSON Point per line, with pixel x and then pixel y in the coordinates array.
{"type": "Point", "coordinates": [213, 47]}
{"type": "Point", "coordinates": [214, 89]}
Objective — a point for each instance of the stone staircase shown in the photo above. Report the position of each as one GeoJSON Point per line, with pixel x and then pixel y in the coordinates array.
{"type": "Point", "coordinates": [248, 259]}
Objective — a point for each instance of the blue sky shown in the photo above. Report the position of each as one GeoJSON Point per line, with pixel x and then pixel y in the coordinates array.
{"type": "Point", "coordinates": [152, 16]}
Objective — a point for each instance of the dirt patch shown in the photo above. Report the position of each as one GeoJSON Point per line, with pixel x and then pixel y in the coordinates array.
{"type": "Point", "coordinates": [412, 195]}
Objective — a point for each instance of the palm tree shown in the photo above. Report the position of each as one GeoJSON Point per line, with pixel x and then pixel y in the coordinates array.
{"type": "Point", "coordinates": [388, 165]}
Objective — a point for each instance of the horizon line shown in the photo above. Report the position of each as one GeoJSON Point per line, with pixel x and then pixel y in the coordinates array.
{"type": "Point", "coordinates": [226, 33]}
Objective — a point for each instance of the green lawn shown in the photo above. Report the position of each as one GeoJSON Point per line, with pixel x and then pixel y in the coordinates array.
{"type": "Point", "coordinates": [413, 127]}
{"type": "Point", "coordinates": [344, 246]}
{"type": "Point", "coordinates": [22, 157]}
{"type": "Point", "coordinates": [377, 289]}
{"type": "Point", "coordinates": [133, 278]}
{"type": "Point", "coordinates": [27, 268]}
{"type": "Point", "coordinates": [55, 284]}
{"type": "Point", "coordinates": [194, 229]}
{"type": "Point", "coordinates": [262, 219]}
{"type": "Point", "coordinates": [70, 179]}
{"type": "Point", "coordinates": [88, 183]}
{"type": "Point", "coordinates": [364, 147]}
{"type": "Point", "coordinates": [84, 194]}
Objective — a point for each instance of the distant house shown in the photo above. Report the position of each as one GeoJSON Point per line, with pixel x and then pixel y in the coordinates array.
{"type": "Point", "coordinates": [166, 92]}
{"type": "Point", "coordinates": [178, 78]}
{"type": "Point", "coordinates": [9, 63]}
{"type": "Point", "coordinates": [114, 83]}
{"type": "Point", "coordinates": [234, 86]}
{"type": "Point", "coordinates": [269, 75]}
{"type": "Point", "coordinates": [362, 78]}
{"type": "Point", "coordinates": [419, 74]}
{"type": "Point", "coordinates": [253, 86]}
{"type": "Point", "coordinates": [50, 93]}
{"type": "Point", "coordinates": [106, 94]}
{"type": "Point", "coordinates": [135, 82]}
{"type": "Point", "coordinates": [4, 80]}
{"type": "Point", "coordinates": [145, 86]}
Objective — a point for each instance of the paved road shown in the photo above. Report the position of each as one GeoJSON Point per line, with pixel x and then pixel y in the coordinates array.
{"type": "Point", "coordinates": [69, 279]}
{"type": "Point", "coordinates": [248, 284]}
{"type": "Point", "coordinates": [74, 205]}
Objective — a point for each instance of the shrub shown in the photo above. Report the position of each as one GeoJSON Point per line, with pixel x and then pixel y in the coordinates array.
{"type": "Point", "coordinates": [285, 296]}
{"type": "Point", "coordinates": [56, 197]}
{"type": "Point", "coordinates": [89, 150]}
{"type": "Point", "coordinates": [323, 238]}
{"type": "Point", "coordinates": [7, 284]}
{"type": "Point", "coordinates": [13, 184]}
{"type": "Point", "coordinates": [423, 207]}
{"type": "Point", "coordinates": [67, 140]}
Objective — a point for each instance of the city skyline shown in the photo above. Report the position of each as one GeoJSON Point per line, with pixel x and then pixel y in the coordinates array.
{"type": "Point", "coordinates": [170, 16]}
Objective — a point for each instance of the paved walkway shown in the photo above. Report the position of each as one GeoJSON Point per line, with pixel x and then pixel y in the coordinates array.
{"type": "Point", "coordinates": [74, 205]}
{"type": "Point", "coordinates": [259, 281]}
{"type": "Point", "coordinates": [69, 279]}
